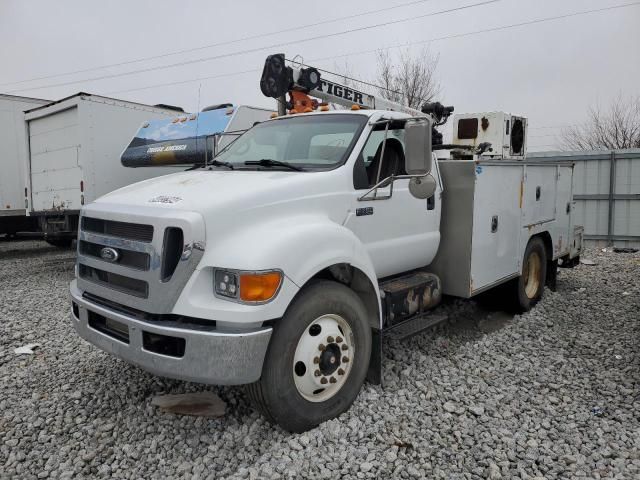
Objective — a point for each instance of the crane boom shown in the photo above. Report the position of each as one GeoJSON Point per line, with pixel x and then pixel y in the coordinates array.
{"type": "Point", "coordinates": [279, 79]}
{"type": "Point", "coordinates": [347, 96]}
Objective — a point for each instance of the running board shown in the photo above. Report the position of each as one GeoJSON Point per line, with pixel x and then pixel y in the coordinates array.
{"type": "Point", "coordinates": [413, 326]}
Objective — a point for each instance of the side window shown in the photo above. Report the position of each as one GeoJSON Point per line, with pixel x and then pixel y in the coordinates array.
{"type": "Point", "coordinates": [370, 160]}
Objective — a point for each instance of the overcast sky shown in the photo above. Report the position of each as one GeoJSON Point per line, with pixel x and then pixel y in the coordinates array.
{"type": "Point", "coordinates": [549, 71]}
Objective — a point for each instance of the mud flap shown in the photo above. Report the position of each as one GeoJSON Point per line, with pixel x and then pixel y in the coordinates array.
{"type": "Point", "coordinates": [374, 373]}
{"type": "Point", "coordinates": [552, 275]}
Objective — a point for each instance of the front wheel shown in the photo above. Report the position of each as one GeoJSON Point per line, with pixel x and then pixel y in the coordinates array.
{"type": "Point", "coordinates": [317, 359]}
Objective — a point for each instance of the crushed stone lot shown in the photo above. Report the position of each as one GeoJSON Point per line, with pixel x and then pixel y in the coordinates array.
{"type": "Point", "coordinates": [554, 393]}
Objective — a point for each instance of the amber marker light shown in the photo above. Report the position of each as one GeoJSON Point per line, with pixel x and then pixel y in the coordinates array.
{"type": "Point", "coordinates": [259, 286]}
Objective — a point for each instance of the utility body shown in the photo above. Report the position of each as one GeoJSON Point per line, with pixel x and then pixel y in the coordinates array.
{"type": "Point", "coordinates": [282, 262]}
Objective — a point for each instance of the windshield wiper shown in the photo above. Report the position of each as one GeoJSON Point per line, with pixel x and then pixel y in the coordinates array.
{"type": "Point", "coordinates": [213, 163]}
{"type": "Point", "coordinates": [267, 162]}
{"type": "Point", "coordinates": [218, 163]}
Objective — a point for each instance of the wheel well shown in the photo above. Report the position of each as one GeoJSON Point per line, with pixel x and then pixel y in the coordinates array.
{"type": "Point", "coordinates": [357, 281]}
{"type": "Point", "coordinates": [548, 246]}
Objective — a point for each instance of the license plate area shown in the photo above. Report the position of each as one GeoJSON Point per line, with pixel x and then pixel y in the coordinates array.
{"type": "Point", "coordinates": [109, 327]}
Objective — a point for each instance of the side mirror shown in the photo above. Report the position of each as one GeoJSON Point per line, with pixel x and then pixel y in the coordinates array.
{"type": "Point", "coordinates": [422, 187]}
{"type": "Point", "coordinates": [417, 146]}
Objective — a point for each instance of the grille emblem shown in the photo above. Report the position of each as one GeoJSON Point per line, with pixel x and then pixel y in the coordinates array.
{"type": "Point", "coordinates": [109, 254]}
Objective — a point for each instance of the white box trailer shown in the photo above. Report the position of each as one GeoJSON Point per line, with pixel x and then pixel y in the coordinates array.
{"type": "Point", "coordinates": [12, 153]}
{"type": "Point", "coordinates": [73, 156]}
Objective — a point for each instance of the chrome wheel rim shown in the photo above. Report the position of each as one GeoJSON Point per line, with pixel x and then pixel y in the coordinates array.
{"type": "Point", "coordinates": [323, 358]}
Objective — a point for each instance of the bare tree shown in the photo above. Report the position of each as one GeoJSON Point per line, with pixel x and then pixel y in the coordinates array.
{"type": "Point", "coordinates": [616, 128]}
{"type": "Point", "coordinates": [411, 80]}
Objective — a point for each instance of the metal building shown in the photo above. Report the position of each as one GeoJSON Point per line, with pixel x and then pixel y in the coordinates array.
{"type": "Point", "coordinates": [606, 190]}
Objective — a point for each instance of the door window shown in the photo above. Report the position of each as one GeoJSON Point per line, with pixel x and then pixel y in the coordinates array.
{"type": "Point", "coordinates": [372, 159]}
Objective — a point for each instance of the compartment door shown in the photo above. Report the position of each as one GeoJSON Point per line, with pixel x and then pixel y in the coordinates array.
{"type": "Point", "coordinates": [54, 144]}
{"type": "Point", "coordinates": [496, 224]}
{"type": "Point", "coordinates": [539, 194]}
{"type": "Point", "coordinates": [564, 207]}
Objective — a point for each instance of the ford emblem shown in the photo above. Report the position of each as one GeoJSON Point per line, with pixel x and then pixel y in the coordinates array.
{"type": "Point", "coordinates": [109, 254]}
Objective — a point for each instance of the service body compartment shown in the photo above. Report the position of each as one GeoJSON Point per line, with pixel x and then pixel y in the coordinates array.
{"type": "Point", "coordinates": [490, 210]}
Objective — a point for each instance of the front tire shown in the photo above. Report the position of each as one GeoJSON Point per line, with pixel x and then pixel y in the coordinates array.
{"type": "Point", "coordinates": [317, 359]}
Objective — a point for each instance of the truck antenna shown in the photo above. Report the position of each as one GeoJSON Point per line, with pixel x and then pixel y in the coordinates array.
{"type": "Point", "coordinates": [198, 124]}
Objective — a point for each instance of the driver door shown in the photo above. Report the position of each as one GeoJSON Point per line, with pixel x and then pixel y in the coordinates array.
{"type": "Point", "coordinates": [398, 231]}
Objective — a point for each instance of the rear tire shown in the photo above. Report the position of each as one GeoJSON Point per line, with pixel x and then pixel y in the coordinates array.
{"type": "Point", "coordinates": [305, 377]}
{"type": "Point", "coordinates": [530, 285]}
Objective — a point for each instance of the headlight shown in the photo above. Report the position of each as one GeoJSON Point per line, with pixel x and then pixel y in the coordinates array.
{"type": "Point", "coordinates": [247, 287]}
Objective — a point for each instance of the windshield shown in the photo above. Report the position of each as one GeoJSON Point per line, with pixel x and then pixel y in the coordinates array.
{"type": "Point", "coordinates": [310, 142]}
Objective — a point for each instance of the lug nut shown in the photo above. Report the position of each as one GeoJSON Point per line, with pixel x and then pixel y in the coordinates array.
{"type": "Point", "coordinates": [330, 339]}
{"type": "Point", "coordinates": [321, 347]}
{"type": "Point", "coordinates": [340, 371]}
{"type": "Point", "coordinates": [338, 339]}
{"type": "Point", "coordinates": [317, 373]}
{"type": "Point", "coordinates": [345, 359]}
{"type": "Point", "coordinates": [316, 359]}
{"type": "Point", "coordinates": [332, 380]}
{"type": "Point", "coordinates": [345, 347]}
{"type": "Point", "coordinates": [323, 380]}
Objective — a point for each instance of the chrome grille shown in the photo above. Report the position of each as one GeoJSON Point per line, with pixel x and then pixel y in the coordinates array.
{"type": "Point", "coordinates": [128, 258]}
{"type": "Point", "coordinates": [153, 259]}
{"type": "Point", "coordinates": [130, 231]}
{"type": "Point", "coordinates": [132, 286]}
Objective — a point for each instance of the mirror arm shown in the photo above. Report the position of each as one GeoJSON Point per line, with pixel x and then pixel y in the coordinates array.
{"type": "Point", "coordinates": [383, 183]}
{"type": "Point", "coordinates": [384, 145]}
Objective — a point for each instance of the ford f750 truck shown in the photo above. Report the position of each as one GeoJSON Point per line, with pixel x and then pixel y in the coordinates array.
{"type": "Point", "coordinates": [282, 262]}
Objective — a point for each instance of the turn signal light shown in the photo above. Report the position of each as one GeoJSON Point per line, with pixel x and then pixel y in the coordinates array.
{"type": "Point", "coordinates": [259, 287]}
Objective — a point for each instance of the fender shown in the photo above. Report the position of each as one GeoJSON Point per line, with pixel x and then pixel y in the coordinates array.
{"type": "Point", "coordinates": [300, 246]}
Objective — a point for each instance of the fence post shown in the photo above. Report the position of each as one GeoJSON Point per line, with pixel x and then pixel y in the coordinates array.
{"type": "Point", "coordinates": [612, 191]}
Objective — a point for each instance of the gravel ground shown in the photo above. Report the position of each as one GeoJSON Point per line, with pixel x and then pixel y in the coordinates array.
{"type": "Point", "coordinates": [550, 394]}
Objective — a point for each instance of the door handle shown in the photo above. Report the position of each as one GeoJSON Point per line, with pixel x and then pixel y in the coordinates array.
{"type": "Point", "coordinates": [431, 202]}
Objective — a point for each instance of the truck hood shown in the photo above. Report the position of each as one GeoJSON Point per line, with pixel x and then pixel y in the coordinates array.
{"type": "Point", "coordinates": [203, 190]}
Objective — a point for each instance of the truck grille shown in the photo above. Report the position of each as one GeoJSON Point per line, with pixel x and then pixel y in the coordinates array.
{"type": "Point", "coordinates": [130, 231]}
{"type": "Point", "coordinates": [128, 258]}
{"type": "Point", "coordinates": [131, 286]}
{"type": "Point", "coordinates": [143, 264]}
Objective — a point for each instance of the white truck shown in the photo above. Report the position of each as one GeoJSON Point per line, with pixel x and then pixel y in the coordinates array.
{"type": "Point", "coordinates": [12, 140]}
{"type": "Point", "coordinates": [283, 262]}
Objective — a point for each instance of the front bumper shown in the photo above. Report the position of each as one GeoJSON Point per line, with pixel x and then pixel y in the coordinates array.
{"type": "Point", "coordinates": [191, 352]}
